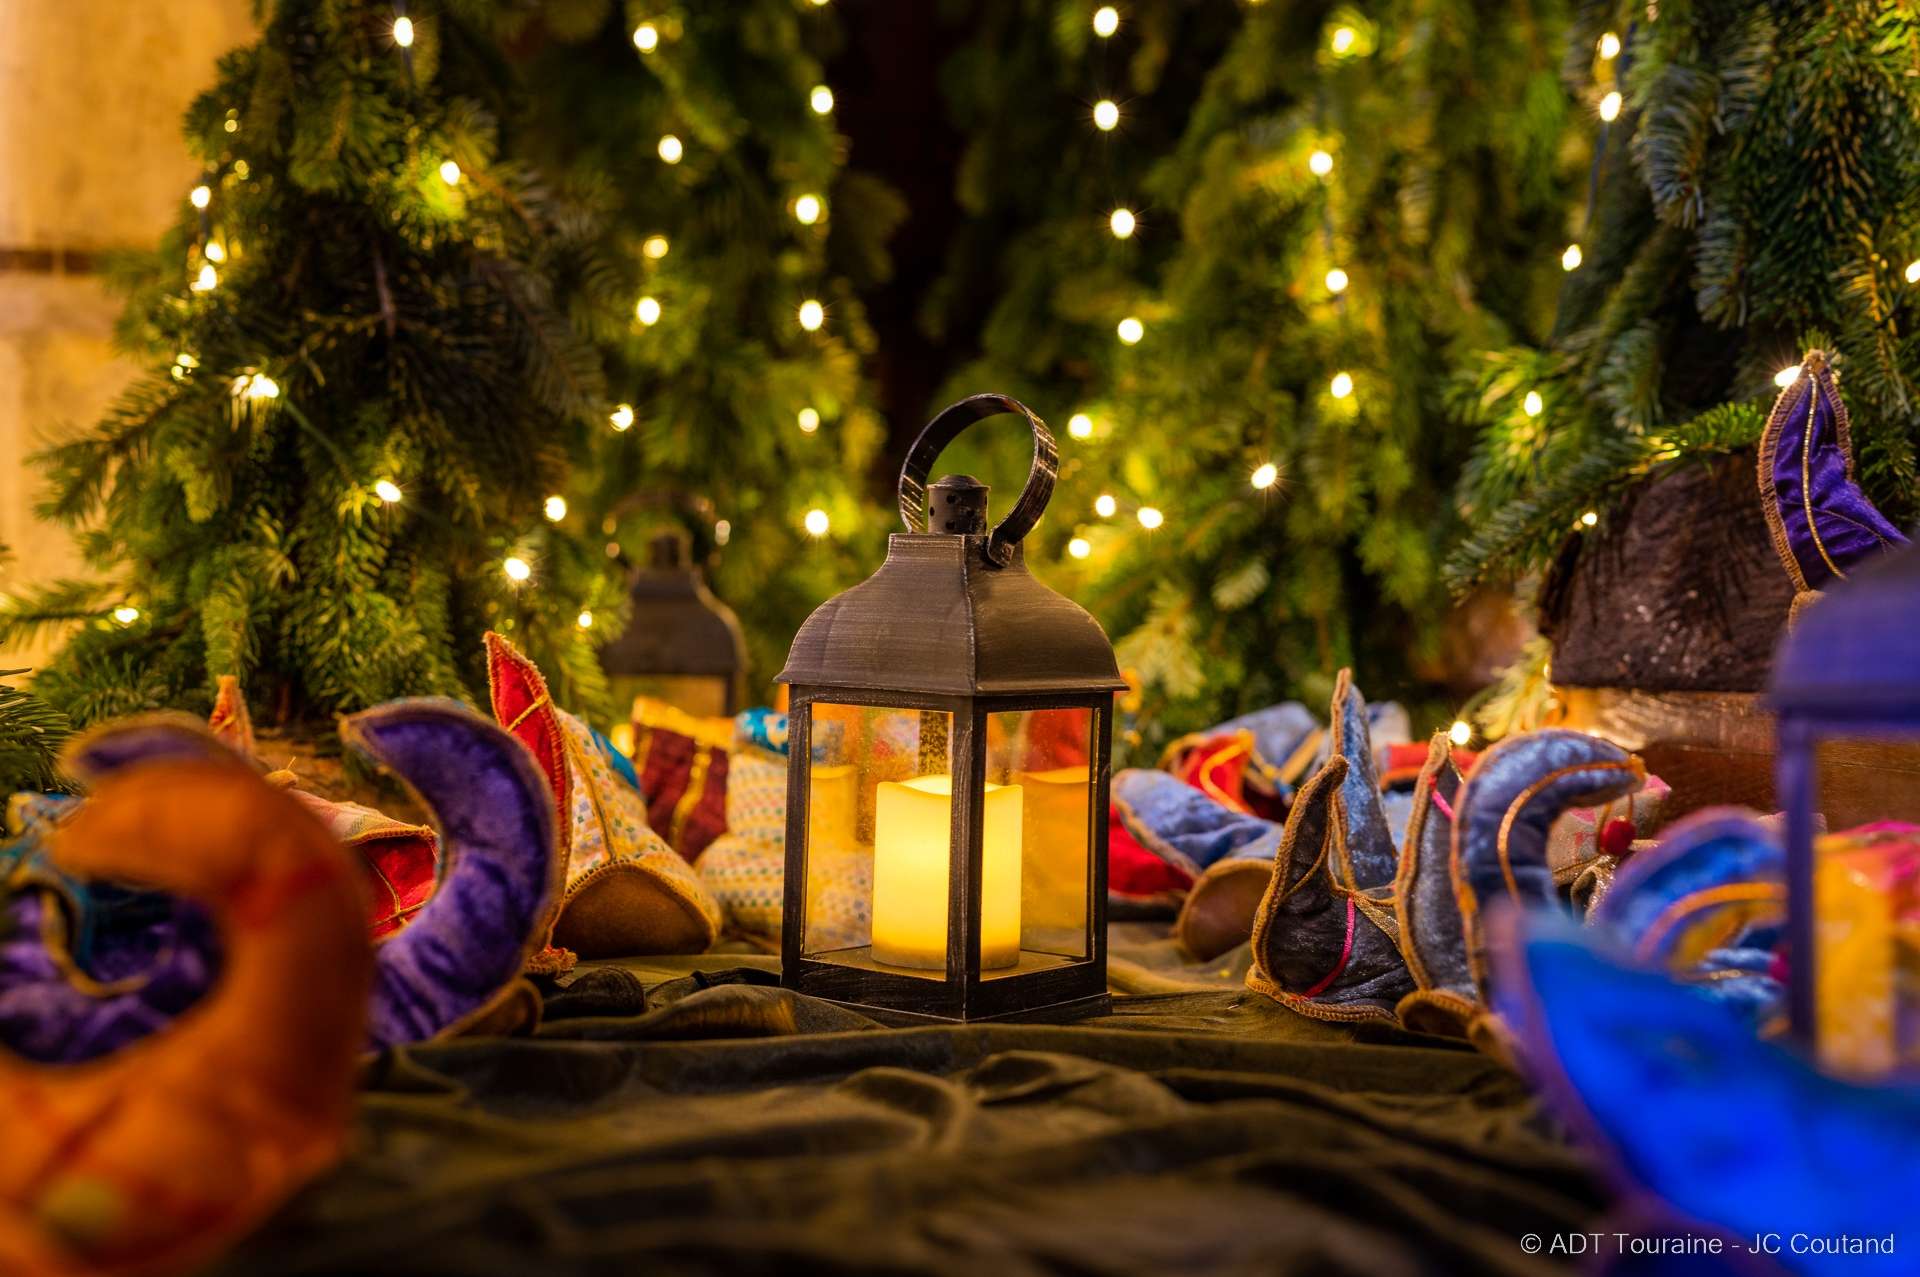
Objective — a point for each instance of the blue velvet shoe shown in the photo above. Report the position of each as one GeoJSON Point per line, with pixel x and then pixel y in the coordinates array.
{"type": "Point", "coordinates": [1700, 1123]}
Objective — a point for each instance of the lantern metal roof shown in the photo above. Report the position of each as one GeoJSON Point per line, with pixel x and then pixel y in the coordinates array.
{"type": "Point", "coordinates": [1855, 654]}
{"type": "Point", "coordinates": [940, 619]}
{"type": "Point", "coordinates": [953, 611]}
{"type": "Point", "coordinates": [677, 625]}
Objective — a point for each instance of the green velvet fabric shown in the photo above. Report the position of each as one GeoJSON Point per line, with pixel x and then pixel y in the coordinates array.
{"type": "Point", "coordinates": [689, 1116]}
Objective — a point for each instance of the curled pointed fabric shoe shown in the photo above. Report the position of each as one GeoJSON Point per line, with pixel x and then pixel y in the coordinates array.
{"type": "Point", "coordinates": [153, 1159]}
{"type": "Point", "coordinates": [1322, 946]}
{"type": "Point", "coordinates": [1506, 809]}
{"type": "Point", "coordinates": [1696, 1119]}
{"type": "Point", "coordinates": [627, 891]}
{"type": "Point", "coordinates": [1707, 904]}
{"type": "Point", "coordinates": [457, 964]}
{"type": "Point", "coordinates": [1823, 526]}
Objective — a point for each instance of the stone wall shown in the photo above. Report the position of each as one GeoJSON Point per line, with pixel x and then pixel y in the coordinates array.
{"type": "Point", "coordinates": [91, 95]}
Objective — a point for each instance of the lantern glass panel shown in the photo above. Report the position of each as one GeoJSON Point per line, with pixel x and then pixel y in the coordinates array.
{"type": "Point", "coordinates": [1044, 754]}
{"type": "Point", "coordinates": [879, 830]}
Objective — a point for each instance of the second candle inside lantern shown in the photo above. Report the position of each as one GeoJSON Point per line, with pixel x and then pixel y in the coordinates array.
{"type": "Point", "coordinates": [912, 836]}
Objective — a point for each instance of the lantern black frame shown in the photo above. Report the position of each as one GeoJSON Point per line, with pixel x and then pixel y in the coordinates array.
{"type": "Point", "coordinates": [1061, 989]}
{"type": "Point", "coordinates": [945, 598]}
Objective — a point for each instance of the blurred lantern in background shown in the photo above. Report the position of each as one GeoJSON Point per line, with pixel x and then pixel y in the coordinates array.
{"type": "Point", "coordinates": [682, 645]}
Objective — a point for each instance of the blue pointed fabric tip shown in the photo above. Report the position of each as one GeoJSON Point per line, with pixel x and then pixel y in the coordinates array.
{"type": "Point", "coordinates": [1698, 1117]}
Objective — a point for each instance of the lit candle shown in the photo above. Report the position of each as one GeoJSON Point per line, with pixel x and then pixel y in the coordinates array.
{"type": "Point", "coordinates": [913, 822]}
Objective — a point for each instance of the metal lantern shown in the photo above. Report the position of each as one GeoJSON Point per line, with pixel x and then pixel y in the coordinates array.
{"type": "Point", "coordinates": [951, 720]}
{"type": "Point", "coordinates": [1850, 667]}
{"type": "Point", "coordinates": [682, 645]}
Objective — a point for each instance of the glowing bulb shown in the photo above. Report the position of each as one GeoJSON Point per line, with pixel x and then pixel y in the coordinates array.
{"type": "Point", "coordinates": [1079, 547]}
{"type": "Point", "coordinates": [1786, 376]}
{"type": "Point", "coordinates": [1341, 386]}
{"type": "Point", "coordinates": [126, 614]}
{"type": "Point", "coordinates": [816, 522]}
{"type": "Point", "coordinates": [646, 37]}
{"type": "Point", "coordinates": [821, 99]}
{"type": "Point", "coordinates": [261, 386]}
{"type": "Point", "coordinates": [555, 509]}
{"type": "Point", "coordinates": [647, 311]}
{"type": "Point", "coordinates": [812, 314]}
{"type": "Point", "coordinates": [1610, 107]}
{"type": "Point", "coordinates": [1342, 41]}
{"type": "Point", "coordinates": [1106, 115]}
{"type": "Point", "coordinates": [388, 491]}
{"type": "Point", "coordinates": [819, 4]}
{"type": "Point", "coordinates": [403, 32]}
{"type": "Point", "coordinates": [1131, 330]}
{"type": "Point", "coordinates": [1321, 163]}
{"type": "Point", "coordinates": [233, 123]}
{"type": "Point", "coordinates": [207, 280]}
{"type": "Point", "coordinates": [809, 421]}
{"type": "Point", "coordinates": [1913, 272]}
{"type": "Point", "coordinates": [516, 569]}
{"type": "Point", "coordinates": [670, 149]}
{"type": "Point", "coordinates": [1570, 260]}
{"type": "Point", "coordinates": [201, 196]}
{"type": "Point", "coordinates": [1265, 476]}
{"type": "Point", "coordinates": [1590, 518]}
{"type": "Point", "coordinates": [1080, 426]}
{"type": "Point", "coordinates": [1121, 223]}
{"type": "Point", "coordinates": [450, 173]}
{"type": "Point", "coordinates": [621, 418]}
{"type": "Point", "coordinates": [1106, 21]}
{"type": "Point", "coordinates": [806, 210]}
{"type": "Point", "coordinates": [1609, 46]}
{"type": "Point", "coordinates": [1104, 505]}
{"type": "Point", "coordinates": [1461, 732]}
{"type": "Point", "coordinates": [1532, 404]}
{"type": "Point", "coordinates": [1150, 518]}
{"type": "Point", "coordinates": [655, 246]}
{"type": "Point", "coordinates": [722, 532]}
{"type": "Point", "coordinates": [215, 253]}
{"type": "Point", "coordinates": [1337, 280]}
{"type": "Point", "coordinates": [584, 620]}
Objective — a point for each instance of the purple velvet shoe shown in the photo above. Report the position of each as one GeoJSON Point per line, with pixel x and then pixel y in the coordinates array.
{"type": "Point", "coordinates": [1823, 526]}
{"type": "Point", "coordinates": [501, 868]}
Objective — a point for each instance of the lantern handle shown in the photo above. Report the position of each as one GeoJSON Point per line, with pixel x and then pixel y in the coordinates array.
{"type": "Point", "coordinates": [943, 430]}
